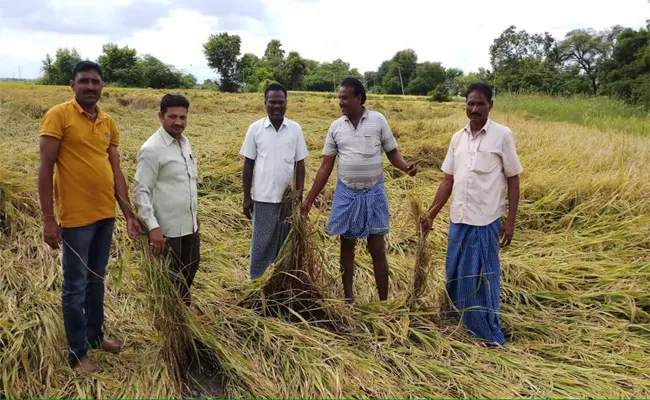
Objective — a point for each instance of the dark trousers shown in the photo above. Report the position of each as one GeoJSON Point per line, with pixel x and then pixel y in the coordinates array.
{"type": "Point", "coordinates": [85, 255]}
{"type": "Point", "coordinates": [184, 252]}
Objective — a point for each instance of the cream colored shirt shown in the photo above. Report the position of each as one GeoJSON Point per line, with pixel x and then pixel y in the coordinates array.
{"type": "Point", "coordinates": [165, 191]}
{"type": "Point", "coordinates": [481, 164]}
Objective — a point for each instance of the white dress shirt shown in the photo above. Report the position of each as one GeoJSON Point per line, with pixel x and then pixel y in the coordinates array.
{"type": "Point", "coordinates": [165, 185]}
{"type": "Point", "coordinates": [480, 164]}
{"type": "Point", "coordinates": [275, 154]}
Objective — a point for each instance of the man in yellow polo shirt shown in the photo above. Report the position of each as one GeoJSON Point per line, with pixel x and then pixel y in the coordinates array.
{"type": "Point", "coordinates": [78, 145]}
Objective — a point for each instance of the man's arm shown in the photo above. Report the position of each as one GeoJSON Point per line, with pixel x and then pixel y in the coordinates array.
{"type": "Point", "coordinates": [121, 193]}
{"type": "Point", "coordinates": [323, 175]}
{"type": "Point", "coordinates": [249, 166]}
{"type": "Point", "coordinates": [300, 178]}
{"type": "Point", "coordinates": [442, 195]}
{"type": "Point", "coordinates": [508, 229]}
{"type": "Point", "coordinates": [146, 175]}
{"type": "Point", "coordinates": [49, 151]}
{"type": "Point", "coordinates": [395, 158]}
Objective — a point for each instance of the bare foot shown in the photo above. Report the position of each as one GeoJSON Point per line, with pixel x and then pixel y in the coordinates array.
{"type": "Point", "coordinates": [86, 366]}
{"type": "Point", "coordinates": [110, 346]}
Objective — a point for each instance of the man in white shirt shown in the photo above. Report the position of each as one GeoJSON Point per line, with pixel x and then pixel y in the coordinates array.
{"type": "Point", "coordinates": [166, 196]}
{"type": "Point", "coordinates": [274, 151]}
{"type": "Point", "coordinates": [481, 163]}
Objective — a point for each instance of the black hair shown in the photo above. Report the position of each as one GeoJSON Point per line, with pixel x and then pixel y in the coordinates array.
{"type": "Point", "coordinates": [84, 66]}
{"type": "Point", "coordinates": [173, 100]}
{"type": "Point", "coordinates": [273, 87]}
{"type": "Point", "coordinates": [481, 87]}
{"type": "Point", "coordinates": [357, 86]}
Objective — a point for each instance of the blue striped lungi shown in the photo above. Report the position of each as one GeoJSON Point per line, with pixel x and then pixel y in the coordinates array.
{"type": "Point", "coordinates": [358, 214]}
{"type": "Point", "coordinates": [474, 277]}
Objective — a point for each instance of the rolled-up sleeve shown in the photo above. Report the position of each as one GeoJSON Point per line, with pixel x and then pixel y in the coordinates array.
{"type": "Point", "coordinates": [146, 174]}
{"type": "Point", "coordinates": [511, 164]}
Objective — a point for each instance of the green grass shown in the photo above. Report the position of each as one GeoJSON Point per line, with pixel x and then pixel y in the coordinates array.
{"type": "Point", "coordinates": [595, 112]}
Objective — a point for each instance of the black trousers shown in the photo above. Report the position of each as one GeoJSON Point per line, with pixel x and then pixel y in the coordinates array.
{"type": "Point", "coordinates": [185, 254]}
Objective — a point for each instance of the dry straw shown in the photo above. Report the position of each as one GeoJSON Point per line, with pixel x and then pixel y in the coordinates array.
{"type": "Point", "coordinates": [575, 282]}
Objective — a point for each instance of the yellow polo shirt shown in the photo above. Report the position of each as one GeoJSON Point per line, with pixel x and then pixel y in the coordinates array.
{"type": "Point", "coordinates": [84, 190]}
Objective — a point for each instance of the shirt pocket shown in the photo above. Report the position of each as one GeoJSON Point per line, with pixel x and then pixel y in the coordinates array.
{"type": "Point", "coordinates": [370, 145]}
{"type": "Point", "coordinates": [485, 162]}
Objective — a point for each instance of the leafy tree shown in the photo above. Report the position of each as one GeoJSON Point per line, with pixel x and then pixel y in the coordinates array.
{"type": "Point", "coordinates": [327, 76]}
{"type": "Point", "coordinates": [440, 93]}
{"type": "Point", "coordinates": [587, 49]}
{"type": "Point", "coordinates": [157, 74]}
{"type": "Point", "coordinates": [256, 80]}
{"type": "Point", "coordinates": [428, 76]}
{"type": "Point", "coordinates": [274, 50]}
{"type": "Point", "coordinates": [222, 51]}
{"type": "Point", "coordinates": [370, 79]}
{"type": "Point", "coordinates": [246, 67]}
{"type": "Point", "coordinates": [58, 71]}
{"type": "Point", "coordinates": [274, 59]}
{"type": "Point", "coordinates": [293, 71]}
{"type": "Point", "coordinates": [120, 66]}
{"type": "Point", "coordinates": [626, 74]}
{"type": "Point", "coordinates": [403, 63]}
{"type": "Point", "coordinates": [450, 75]}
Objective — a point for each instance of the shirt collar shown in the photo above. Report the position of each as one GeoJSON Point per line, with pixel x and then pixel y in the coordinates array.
{"type": "Point", "coordinates": [484, 129]}
{"type": "Point", "coordinates": [167, 137]}
{"type": "Point", "coordinates": [267, 122]}
{"type": "Point", "coordinates": [363, 116]}
{"type": "Point", "coordinates": [100, 114]}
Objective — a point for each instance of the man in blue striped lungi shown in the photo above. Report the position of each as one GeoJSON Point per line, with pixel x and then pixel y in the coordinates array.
{"type": "Point", "coordinates": [480, 165]}
{"type": "Point", "coordinates": [360, 207]}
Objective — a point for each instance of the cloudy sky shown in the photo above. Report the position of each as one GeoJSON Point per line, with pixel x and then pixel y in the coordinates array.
{"type": "Point", "coordinates": [361, 32]}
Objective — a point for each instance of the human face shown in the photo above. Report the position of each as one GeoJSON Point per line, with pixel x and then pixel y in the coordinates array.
{"type": "Point", "coordinates": [276, 105]}
{"type": "Point", "coordinates": [349, 103]}
{"type": "Point", "coordinates": [87, 87]}
{"type": "Point", "coordinates": [174, 120]}
{"type": "Point", "coordinates": [478, 107]}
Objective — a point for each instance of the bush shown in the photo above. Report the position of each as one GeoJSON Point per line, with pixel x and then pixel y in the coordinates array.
{"type": "Point", "coordinates": [439, 94]}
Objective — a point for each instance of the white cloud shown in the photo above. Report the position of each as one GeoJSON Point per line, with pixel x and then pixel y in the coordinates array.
{"type": "Point", "coordinates": [361, 32]}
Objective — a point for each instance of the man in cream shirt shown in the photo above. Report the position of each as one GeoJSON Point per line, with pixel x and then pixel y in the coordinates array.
{"type": "Point", "coordinates": [166, 196]}
{"type": "Point", "coordinates": [481, 164]}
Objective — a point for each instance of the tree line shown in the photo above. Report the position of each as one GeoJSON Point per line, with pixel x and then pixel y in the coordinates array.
{"type": "Point", "coordinates": [613, 62]}
{"type": "Point", "coordinates": [121, 66]}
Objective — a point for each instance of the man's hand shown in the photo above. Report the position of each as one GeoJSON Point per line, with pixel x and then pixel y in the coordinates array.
{"type": "Point", "coordinates": [507, 230]}
{"type": "Point", "coordinates": [425, 224]}
{"type": "Point", "coordinates": [133, 228]}
{"type": "Point", "coordinates": [51, 233]}
{"type": "Point", "coordinates": [156, 241]}
{"type": "Point", "coordinates": [412, 169]}
{"type": "Point", "coordinates": [305, 207]}
{"type": "Point", "coordinates": [248, 208]}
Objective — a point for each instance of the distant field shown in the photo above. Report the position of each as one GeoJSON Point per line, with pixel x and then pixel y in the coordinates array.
{"type": "Point", "coordinates": [575, 281]}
